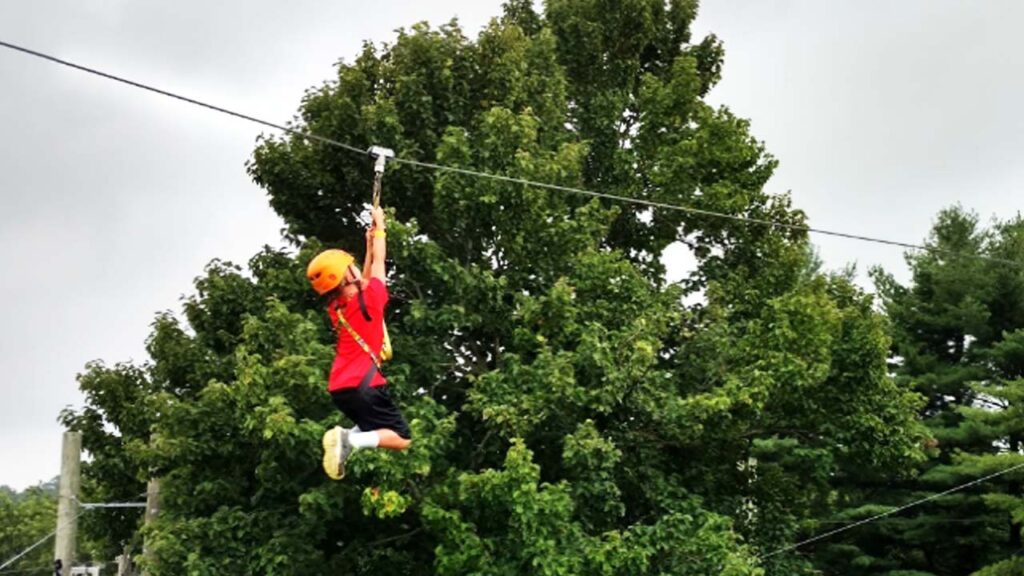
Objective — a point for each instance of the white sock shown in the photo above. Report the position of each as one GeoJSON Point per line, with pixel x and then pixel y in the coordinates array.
{"type": "Point", "coordinates": [363, 439]}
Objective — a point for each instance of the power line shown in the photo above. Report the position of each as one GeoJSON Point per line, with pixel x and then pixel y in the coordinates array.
{"type": "Point", "coordinates": [509, 179]}
{"type": "Point", "coordinates": [891, 512]}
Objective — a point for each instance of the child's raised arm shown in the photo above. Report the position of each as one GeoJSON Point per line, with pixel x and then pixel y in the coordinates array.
{"type": "Point", "coordinates": [368, 261]}
{"type": "Point", "coordinates": [379, 246]}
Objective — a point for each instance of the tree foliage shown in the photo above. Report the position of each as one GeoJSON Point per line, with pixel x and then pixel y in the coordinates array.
{"type": "Point", "coordinates": [570, 414]}
{"type": "Point", "coordinates": [958, 340]}
{"type": "Point", "coordinates": [25, 518]}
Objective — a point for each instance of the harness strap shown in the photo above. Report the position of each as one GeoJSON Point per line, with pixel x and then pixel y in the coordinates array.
{"type": "Point", "coordinates": [368, 377]}
{"type": "Point", "coordinates": [362, 305]}
{"type": "Point", "coordinates": [359, 339]}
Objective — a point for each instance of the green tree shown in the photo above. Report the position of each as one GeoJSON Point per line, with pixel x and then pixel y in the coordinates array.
{"type": "Point", "coordinates": [25, 518]}
{"type": "Point", "coordinates": [957, 340]}
{"type": "Point", "coordinates": [114, 426]}
{"type": "Point", "coordinates": [570, 415]}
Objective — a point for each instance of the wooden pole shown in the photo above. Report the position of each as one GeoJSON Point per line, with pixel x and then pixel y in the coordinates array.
{"type": "Point", "coordinates": [124, 562]}
{"type": "Point", "coordinates": [152, 500]}
{"type": "Point", "coordinates": [67, 503]}
{"type": "Point", "coordinates": [152, 511]}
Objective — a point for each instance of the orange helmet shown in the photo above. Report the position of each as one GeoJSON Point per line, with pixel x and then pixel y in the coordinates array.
{"type": "Point", "coordinates": [327, 270]}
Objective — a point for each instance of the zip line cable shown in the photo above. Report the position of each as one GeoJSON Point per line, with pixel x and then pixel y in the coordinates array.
{"type": "Point", "coordinates": [509, 179]}
{"type": "Point", "coordinates": [952, 490]}
{"type": "Point", "coordinates": [698, 211]}
{"type": "Point", "coordinates": [108, 76]}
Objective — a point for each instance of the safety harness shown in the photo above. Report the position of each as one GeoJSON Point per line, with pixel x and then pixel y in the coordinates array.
{"type": "Point", "coordinates": [376, 361]}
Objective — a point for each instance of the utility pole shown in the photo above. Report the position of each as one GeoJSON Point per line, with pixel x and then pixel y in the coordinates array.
{"type": "Point", "coordinates": [152, 500]}
{"type": "Point", "coordinates": [67, 503]}
{"type": "Point", "coordinates": [152, 511]}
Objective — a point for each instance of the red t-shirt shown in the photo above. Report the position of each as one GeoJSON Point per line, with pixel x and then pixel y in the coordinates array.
{"type": "Point", "coordinates": [350, 361]}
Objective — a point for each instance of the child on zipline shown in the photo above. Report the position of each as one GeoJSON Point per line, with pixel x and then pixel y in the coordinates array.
{"type": "Point", "coordinates": [356, 307]}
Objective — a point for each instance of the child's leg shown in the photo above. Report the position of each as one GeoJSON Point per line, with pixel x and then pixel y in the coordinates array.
{"type": "Point", "coordinates": [390, 430]}
{"type": "Point", "coordinates": [380, 438]}
{"type": "Point", "coordinates": [379, 422]}
{"type": "Point", "coordinates": [391, 440]}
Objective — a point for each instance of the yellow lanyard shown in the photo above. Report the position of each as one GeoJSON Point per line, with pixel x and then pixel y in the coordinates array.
{"type": "Point", "coordinates": [355, 336]}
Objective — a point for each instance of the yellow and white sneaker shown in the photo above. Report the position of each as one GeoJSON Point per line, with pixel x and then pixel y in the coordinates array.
{"type": "Point", "coordinates": [336, 450]}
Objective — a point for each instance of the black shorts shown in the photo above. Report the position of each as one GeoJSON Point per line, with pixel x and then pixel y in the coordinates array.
{"type": "Point", "coordinates": [371, 408]}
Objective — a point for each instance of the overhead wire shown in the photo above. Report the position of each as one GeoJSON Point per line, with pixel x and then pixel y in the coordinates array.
{"type": "Point", "coordinates": [186, 99]}
{"type": "Point", "coordinates": [110, 505]}
{"type": "Point", "coordinates": [28, 570]}
{"type": "Point", "coordinates": [699, 211]}
{"type": "Point", "coordinates": [44, 539]}
{"type": "Point", "coordinates": [573, 190]}
{"type": "Point", "coordinates": [509, 179]}
{"type": "Point", "coordinates": [39, 543]}
{"type": "Point", "coordinates": [896, 510]}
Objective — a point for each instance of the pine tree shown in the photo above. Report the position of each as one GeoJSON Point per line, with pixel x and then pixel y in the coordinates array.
{"type": "Point", "coordinates": [956, 330]}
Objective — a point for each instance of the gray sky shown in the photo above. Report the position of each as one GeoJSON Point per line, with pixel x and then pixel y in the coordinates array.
{"type": "Point", "coordinates": [112, 200]}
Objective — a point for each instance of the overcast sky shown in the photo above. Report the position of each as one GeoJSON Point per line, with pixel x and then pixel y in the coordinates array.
{"type": "Point", "coordinates": [881, 113]}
